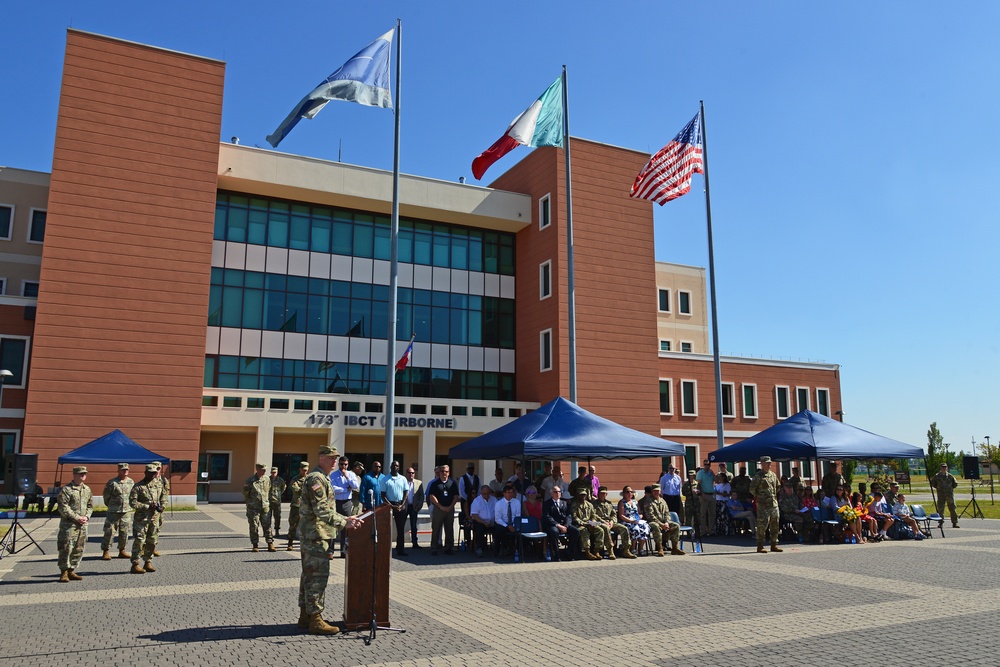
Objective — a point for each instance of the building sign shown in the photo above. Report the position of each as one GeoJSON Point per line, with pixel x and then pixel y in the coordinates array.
{"type": "Point", "coordinates": [352, 420]}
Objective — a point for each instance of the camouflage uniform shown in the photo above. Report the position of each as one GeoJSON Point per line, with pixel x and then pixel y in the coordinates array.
{"type": "Point", "coordinates": [164, 500]}
{"type": "Point", "coordinates": [293, 509]}
{"type": "Point", "coordinates": [658, 513]}
{"type": "Point", "coordinates": [257, 493]}
{"type": "Point", "coordinates": [765, 487]}
{"type": "Point", "coordinates": [119, 517]}
{"type": "Point", "coordinates": [581, 483]}
{"type": "Point", "coordinates": [277, 490]}
{"type": "Point", "coordinates": [945, 483]}
{"type": "Point", "coordinates": [75, 501]}
{"type": "Point", "coordinates": [607, 511]}
{"type": "Point", "coordinates": [741, 485]}
{"type": "Point", "coordinates": [583, 512]}
{"type": "Point", "coordinates": [144, 498]}
{"type": "Point", "coordinates": [831, 481]}
{"type": "Point", "coordinates": [788, 506]}
{"type": "Point", "coordinates": [692, 502]}
{"type": "Point", "coordinates": [318, 524]}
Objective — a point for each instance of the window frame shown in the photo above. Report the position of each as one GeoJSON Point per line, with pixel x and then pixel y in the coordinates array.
{"type": "Point", "coordinates": [778, 402]}
{"type": "Point", "coordinates": [660, 291]}
{"type": "Point", "coordinates": [668, 342]}
{"type": "Point", "coordinates": [3, 285]}
{"type": "Point", "coordinates": [669, 383]}
{"type": "Point", "coordinates": [798, 403]}
{"type": "Point", "coordinates": [731, 386]}
{"type": "Point", "coordinates": [694, 397]}
{"type": "Point", "coordinates": [31, 225]}
{"type": "Point", "coordinates": [826, 392]}
{"type": "Point", "coordinates": [10, 227]}
{"type": "Point", "coordinates": [24, 362]}
{"type": "Point", "coordinates": [25, 283]}
{"type": "Point", "coordinates": [680, 310]}
{"type": "Point", "coordinates": [229, 471]}
{"type": "Point", "coordinates": [545, 349]}
{"type": "Point", "coordinates": [752, 386]}
{"type": "Point", "coordinates": [689, 344]}
{"type": "Point", "coordinates": [545, 280]}
{"type": "Point", "coordinates": [545, 211]}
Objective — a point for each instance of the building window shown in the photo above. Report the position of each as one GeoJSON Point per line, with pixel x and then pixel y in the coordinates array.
{"type": "Point", "coordinates": [689, 398]}
{"type": "Point", "coordinates": [218, 465]}
{"type": "Point", "coordinates": [6, 221]}
{"type": "Point", "coordinates": [664, 305]}
{"type": "Point", "coordinates": [545, 279]}
{"type": "Point", "coordinates": [750, 401]}
{"type": "Point", "coordinates": [666, 399]}
{"type": "Point", "coordinates": [685, 346]}
{"type": "Point", "coordinates": [36, 230]}
{"type": "Point", "coordinates": [29, 288]}
{"type": "Point", "coordinates": [3, 286]}
{"type": "Point", "coordinates": [781, 402]}
{"type": "Point", "coordinates": [544, 212]}
{"type": "Point", "coordinates": [801, 399]}
{"type": "Point", "coordinates": [664, 346]}
{"type": "Point", "coordinates": [545, 350]}
{"type": "Point", "coordinates": [684, 302]}
{"type": "Point", "coordinates": [823, 402]}
{"type": "Point", "coordinates": [14, 358]}
{"type": "Point", "coordinates": [728, 399]}
{"type": "Point", "coordinates": [8, 446]}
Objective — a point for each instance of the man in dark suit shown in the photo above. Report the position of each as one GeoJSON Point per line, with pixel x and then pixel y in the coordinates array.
{"type": "Point", "coordinates": [556, 522]}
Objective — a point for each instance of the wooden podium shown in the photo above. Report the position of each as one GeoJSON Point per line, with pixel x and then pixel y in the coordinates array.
{"type": "Point", "coordinates": [361, 576]}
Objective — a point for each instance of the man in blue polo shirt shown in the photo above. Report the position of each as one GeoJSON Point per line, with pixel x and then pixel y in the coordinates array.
{"type": "Point", "coordinates": [706, 485]}
{"type": "Point", "coordinates": [394, 490]}
{"type": "Point", "coordinates": [371, 487]}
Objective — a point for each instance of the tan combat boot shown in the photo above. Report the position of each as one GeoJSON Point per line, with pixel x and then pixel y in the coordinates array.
{"type": "Point", "coordinates": [155, 552]}
{"type": "Point", "coordinates": [628, 554]}
{"type": "Point", "coordinates": [760, 550]}
{"type": "Point", "coordinates": [592, 556]}
{"type": "Point", "coordinates": [303, 621]}
{"type": "Point", "coordinates": [254, 549]}
{"type": "Point", "coordinates": [317, 626]}
{"type": "Point", "coordinates": [73, 576]}
{"type": "Point", "coordinates": [106, 555]}
{"type": "Point", "coordinates": [776, 549]}
{"type": "Point", "coordinates": [122, 554]}
{"type": "Point", "coordinates": [674, 551]}
{"type": "Point", "coordinates": [610, 548]}
{"type": "Point", "coordinates": [289, 545]}
{"type": "Point", "coordinates": [64, 577]}
{"type": "Point", "coordinates": [270, 547]}
{"type": "Point", "coordinates": [148, 566]}
{"type": "Point", "coordinates": [136, 569]}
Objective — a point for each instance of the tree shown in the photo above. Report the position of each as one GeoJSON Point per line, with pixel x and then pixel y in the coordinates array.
{"type": "Point", "coordinates": [937, 451]}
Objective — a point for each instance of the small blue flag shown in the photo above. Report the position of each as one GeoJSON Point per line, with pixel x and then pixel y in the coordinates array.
{"type": "Point", "coordinates": [363, 79]}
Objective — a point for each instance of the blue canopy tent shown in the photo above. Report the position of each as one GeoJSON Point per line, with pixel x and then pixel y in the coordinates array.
{"type": "Point", "coordinates": [808, 435]}
{"type": "Point", "coordinates": [561, 430]}
{"type": "Point", "coordinates": [115, 447]}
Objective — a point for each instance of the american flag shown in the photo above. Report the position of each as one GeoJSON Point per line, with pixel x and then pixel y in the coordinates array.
{"type": "Point", "coordinates": [667, 175]}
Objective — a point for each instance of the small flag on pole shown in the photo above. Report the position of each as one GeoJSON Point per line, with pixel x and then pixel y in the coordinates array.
{"type": "Point", "coordinates": [541, 124]}
{"type": "Point", "coordinates": [668, 174]}
{"type": "Point", "coordinates": [404, 360]}
{"type": "Point", "coordinates": [363, 79]}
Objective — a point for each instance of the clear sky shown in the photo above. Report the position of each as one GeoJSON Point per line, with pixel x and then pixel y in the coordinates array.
{"type": "Point", "coordinates": [854, 149]}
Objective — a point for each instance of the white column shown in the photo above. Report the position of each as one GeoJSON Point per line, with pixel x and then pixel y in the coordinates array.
{"type": "Point", "coordinates": [265, 445]}
{"type": "Point", "coordinates": [427, 449]}
{"type": "Point", "coordinates": [336, 437]}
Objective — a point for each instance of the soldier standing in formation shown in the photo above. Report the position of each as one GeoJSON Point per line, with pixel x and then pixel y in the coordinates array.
{"type": "Point", "coordinates": [277, 490]}
{"type": "Point", "coordinates": [658, 517]}
{"type": "Point", "coordinates": [832, 480]}
{"type": "Point", "coordinates": [318, 523]}
{"type": "Point", "coordinates": [765, 487]}
{"type": "Point", "coordinates": [945, 483]}
{"type": "Point", "coordinates": [590, 529]}
{"type": "Point", "coordinates": [119, 516]}
{"type": "Point", "coordinates": [163, 502]}
{"type": "Point", "coordinates": [146, 500]}
{"type": "Point", "coordinates": [607, 513]}
{"type": "Point", "coordinates": [293, 510]}
{"type": "Point", "coordinates": [257, 494]}
{"type": "Point", "coordinates": [76, 505]}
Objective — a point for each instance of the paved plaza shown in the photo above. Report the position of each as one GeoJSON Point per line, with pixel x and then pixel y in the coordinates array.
{"type": "Point", "coordinates": [213, 602]}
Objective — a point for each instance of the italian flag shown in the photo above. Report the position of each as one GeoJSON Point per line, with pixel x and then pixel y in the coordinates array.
{"type": "Point", "coordinates": [541, 124]}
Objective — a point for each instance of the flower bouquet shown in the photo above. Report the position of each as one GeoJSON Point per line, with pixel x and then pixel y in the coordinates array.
{"type": "Point", "coordinates": [847, 513]}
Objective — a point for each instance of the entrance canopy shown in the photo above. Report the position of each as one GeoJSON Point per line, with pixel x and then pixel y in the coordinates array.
{"type": "Point", "coordinates": [808, 435]}
{"type": "Point", "coordinates": [115, 447]}
{"type": "Point", "coordinates": [561, 430]}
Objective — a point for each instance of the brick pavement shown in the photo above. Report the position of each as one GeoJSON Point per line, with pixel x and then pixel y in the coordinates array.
{"type": "Point", "coordinates": [212, 602]}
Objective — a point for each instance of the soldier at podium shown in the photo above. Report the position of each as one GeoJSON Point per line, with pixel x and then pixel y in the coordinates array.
{"type": "Point", "coordinates": [318, 523]}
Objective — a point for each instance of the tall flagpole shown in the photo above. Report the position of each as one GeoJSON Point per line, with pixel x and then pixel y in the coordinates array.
{"type": "Point", "coordinates": [390, 366]}
{"type": "Point", "coordinates": [570, 283]}
{"type": "Point", "coordinates": [719, 432]}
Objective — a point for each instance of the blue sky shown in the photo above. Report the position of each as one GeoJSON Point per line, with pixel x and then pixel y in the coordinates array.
{"type": "Point", "coordinates": [854, 150]}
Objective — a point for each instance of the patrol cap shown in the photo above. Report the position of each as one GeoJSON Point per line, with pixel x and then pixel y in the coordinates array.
{"type": "Point", "coordinates": [690, 473]}
{"type": "Point", "coordinates": [944, 465]}
{"type": "Point", "coordinates": [123, 466]}
{"type": "Point", "coordinates": [304, 464]}
{"type": "Point", "coordinates": [602, 489]}
{"type": "Point", "coordinates": [765, 459]}
{"type": "Point", "coordinates": [79, 470]}
{"type": "Point", "coordinates": [260, 466]}
{"type": "Point", "coordinates": [151, 467]}
{"type": "Point", "coordinates": [274, 470]}
{"type": "Point", "coordinates": [328, 450]}
{"type": "Point", "coordinates": [654, 487]}
{"type": "Point", "coordinates": [157, 464]}
{"type": "Point", "coordinates": [581, 491]}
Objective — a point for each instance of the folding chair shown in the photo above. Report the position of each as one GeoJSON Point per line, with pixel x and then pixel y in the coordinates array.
{"type": "Point", "coordinates": [689, 532]}
{"type": "Point", "coordinates": [528, 529]}
{"type": "Point", "coordinates": [825, 525]}
{"type": "Point", "coordinates": [921, 516]}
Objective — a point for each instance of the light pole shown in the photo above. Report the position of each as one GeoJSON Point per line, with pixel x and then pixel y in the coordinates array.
{"type": "Point", "coordinates": [989, 463]}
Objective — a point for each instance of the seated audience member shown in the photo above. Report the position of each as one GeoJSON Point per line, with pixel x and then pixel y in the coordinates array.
{"type": "Point", "coordinates": [864, 520]}
{"type": "Point", "coordinates": [592, 532]}
{"type": "Point", "coordinates": [660, 525]}
{"type": "Point", "coordinates": [482, 517]}
{"type": "Point", "coordinates": [628, 516]}
{"type": "Point", "coordinates": [555, 480]}
{"type": "Point", "coordinates": [809, 499]}
{"type": "Point", "coordinates": [556, 523]}
{"type": "Point", "coordinates": [740, 510]}
{"type": "Point", "coordinates": [789, 508]}
{"type": "Point", "coordinates": [902, 513]}
{"type": "Point", "coordinates": [532, 505]}
{"type": "Point", "coordinates": [607, 514]}
{"type": "Point", "coordinates": [505, 515]}
{"type": "Point", "coordinates": [647, 495]}
{"type": "Point", "coordinates": [891, 495]}
{"type": "Point", "coordinates": [879, 511]}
